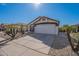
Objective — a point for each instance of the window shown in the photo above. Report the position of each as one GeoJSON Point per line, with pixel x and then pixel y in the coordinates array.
{"type": "Point", "coordinates": [43, 19]}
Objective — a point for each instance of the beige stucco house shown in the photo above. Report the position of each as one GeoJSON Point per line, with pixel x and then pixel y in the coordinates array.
{"type": "Point", "coordinates": [44, 25]}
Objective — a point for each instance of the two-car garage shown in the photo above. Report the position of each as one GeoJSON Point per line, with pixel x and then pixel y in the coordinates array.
{"type": "Point", "coordinates": [44, 25]}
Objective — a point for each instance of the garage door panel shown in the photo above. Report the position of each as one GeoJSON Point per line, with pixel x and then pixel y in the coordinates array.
{"type": "Point", "coordinates": [46, 28]}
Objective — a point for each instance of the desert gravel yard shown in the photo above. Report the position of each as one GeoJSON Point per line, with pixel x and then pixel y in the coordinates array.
{"type": "Point", "coordinates": [37, 45]}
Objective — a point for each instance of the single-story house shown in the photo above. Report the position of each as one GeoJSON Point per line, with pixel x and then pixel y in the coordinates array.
{"type": "Point", "coordinates": [43, 24]}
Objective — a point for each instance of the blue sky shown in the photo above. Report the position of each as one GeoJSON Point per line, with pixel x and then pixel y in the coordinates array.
{"type": "Point", "coordinates": [25, 13]}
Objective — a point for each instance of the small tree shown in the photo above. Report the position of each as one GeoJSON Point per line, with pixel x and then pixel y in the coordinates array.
{"type": "Point", "coordinates": [74, 28]}
{"type": "Point", "coordinates": [68, 28]}
{"type": "Point", "coordinates": [65, 28]}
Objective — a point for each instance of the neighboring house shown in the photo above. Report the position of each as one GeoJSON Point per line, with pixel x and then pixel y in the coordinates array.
{"type": "Point", "coordinates": [44, 25]}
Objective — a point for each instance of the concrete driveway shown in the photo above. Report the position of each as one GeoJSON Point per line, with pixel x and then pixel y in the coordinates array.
{"type": "Point", "coordinates": [31, 44]}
